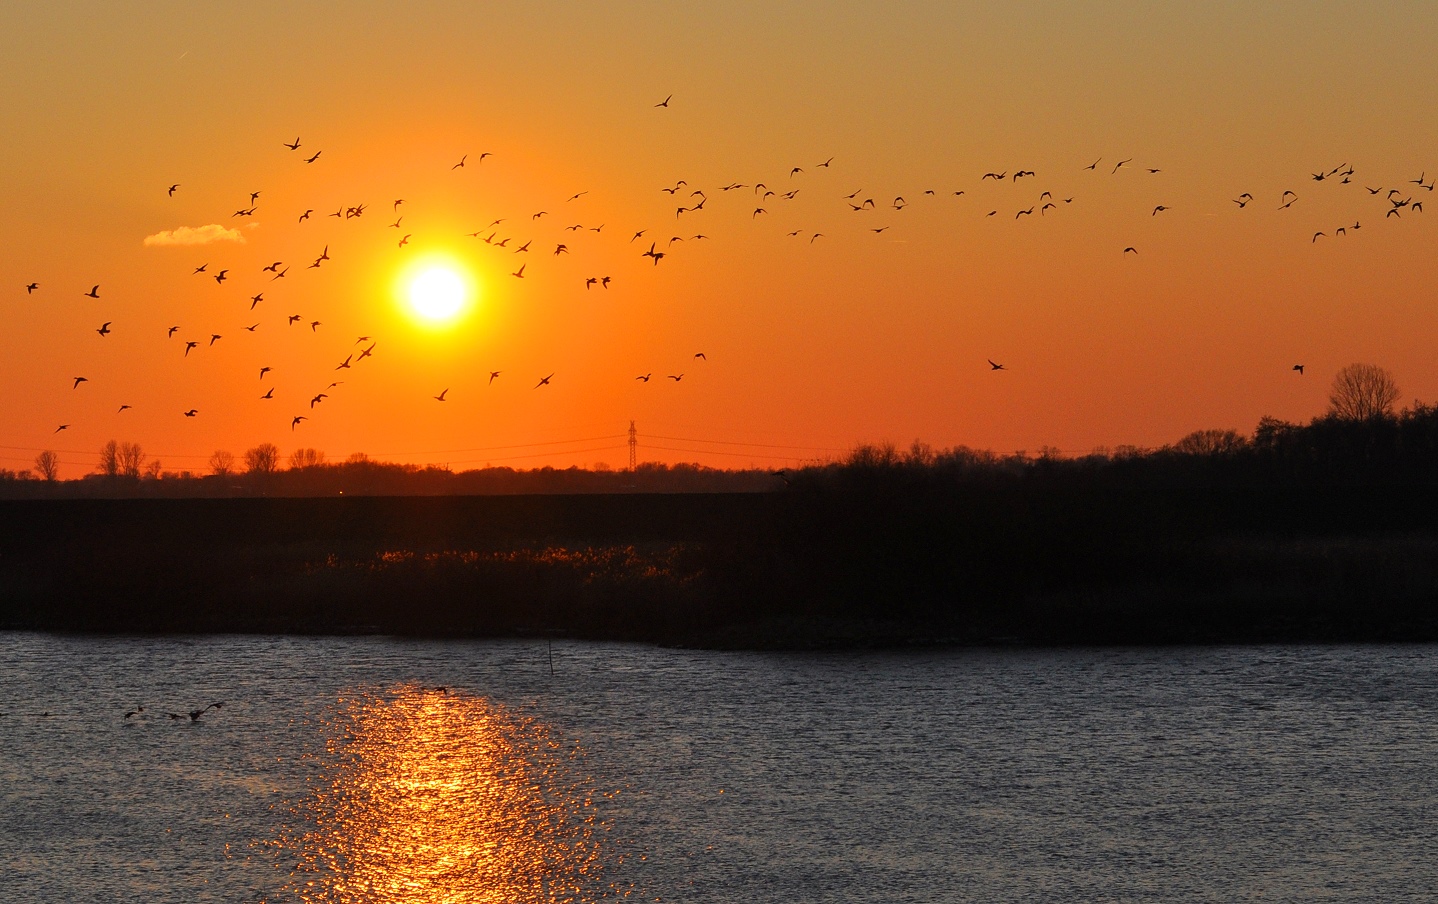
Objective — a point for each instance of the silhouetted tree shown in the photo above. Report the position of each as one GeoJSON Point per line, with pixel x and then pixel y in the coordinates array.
{"type": "Point", "coordinates": [306, 458]}
{"type": "Point", "coordinates": [1211, 442]}
{"type": "Point", "coordinates": [130, 458]}
{"type": "Point", "coordinates": [109, 459]}
{"type": "Point", "coordinates": [1362, 392]}
{"type": "Point", "coordinates": [221, 463]}
{"type": "Point", "coordinates": [262, 459]}
{"type": "Point", "coordinates": [47, 465]}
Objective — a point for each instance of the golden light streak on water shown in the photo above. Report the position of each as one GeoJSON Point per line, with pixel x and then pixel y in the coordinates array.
{"type": "Point", "coordinates": [434, 797]}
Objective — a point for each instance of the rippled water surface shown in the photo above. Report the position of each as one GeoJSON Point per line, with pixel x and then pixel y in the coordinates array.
{"type": "Point", "coordinates": [382, 770]}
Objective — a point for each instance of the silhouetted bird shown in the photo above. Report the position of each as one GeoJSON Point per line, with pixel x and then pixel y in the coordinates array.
{"type": "Point", "coordinates": [1299, 368]}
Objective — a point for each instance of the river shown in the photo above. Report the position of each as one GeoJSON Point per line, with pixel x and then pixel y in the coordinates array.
{"type": "Point", "coordinates": [376, 769]}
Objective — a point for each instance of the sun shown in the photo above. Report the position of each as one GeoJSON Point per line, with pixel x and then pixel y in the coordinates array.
{"type": "Point", "coordinates": [437, 293]}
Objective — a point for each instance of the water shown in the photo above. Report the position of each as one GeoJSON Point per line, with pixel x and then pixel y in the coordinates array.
{"type": "Point", "coordinates": [375, 769]}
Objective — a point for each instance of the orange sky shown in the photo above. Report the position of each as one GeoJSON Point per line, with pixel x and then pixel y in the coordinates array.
{"type": "Point", "coordinates": [811, 346]}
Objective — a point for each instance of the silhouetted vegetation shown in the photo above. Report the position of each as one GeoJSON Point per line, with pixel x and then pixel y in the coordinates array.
{"type": "Point", "coordinates": [1320, 531]}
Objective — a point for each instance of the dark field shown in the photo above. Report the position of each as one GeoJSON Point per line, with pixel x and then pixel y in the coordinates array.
{"type": "Point", "coordinates": [867, 564]}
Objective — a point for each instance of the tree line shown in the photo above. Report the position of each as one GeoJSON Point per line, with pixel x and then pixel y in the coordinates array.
{"type": "Point", "coordinates": [1359, 438]}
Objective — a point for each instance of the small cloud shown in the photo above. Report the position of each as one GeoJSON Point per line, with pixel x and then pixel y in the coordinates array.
{"type": "Point", "coordinates": [195, 235]}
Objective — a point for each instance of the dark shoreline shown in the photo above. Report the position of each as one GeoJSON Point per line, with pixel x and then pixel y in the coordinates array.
{"type": "Point", "coordinates": [867, 567]}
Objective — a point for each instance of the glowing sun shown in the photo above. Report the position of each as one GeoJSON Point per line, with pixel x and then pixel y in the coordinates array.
{"type": "Point", "coordinates": [437, 293]}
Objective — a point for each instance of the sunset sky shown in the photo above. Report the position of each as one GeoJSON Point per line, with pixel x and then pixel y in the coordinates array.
{"type": "Point", "coordinates": [811, 345]}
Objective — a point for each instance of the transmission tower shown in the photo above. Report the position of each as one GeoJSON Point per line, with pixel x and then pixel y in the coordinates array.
{"type": "Point", "coordinates": [633, 448]}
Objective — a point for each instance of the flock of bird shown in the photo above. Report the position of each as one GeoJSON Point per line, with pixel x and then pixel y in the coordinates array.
{"type": "Point", "coordinates": [656, 245]}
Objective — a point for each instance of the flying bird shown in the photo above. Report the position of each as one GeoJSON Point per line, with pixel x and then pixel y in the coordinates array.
{"type": "Point", "coordinates": [317, 399]}
{"type": "Point", "coordinates": [191, 413]}
{"type": "Point", "coordinates": [265, 370]}
{"type": "Point", "coordinates": [31, 288]}
{"type": "Point", "coordinates": [460, 163]}
{"type": "Point", "coordinates": [222, 276]}
{"type": "Point", "coordinates": [78, 381]}
{"type": "Point", "coordinates": [173, 189]}
{"type": "Point", "coordinates": [295, 421]}
{"type": "Point", "coordinates": [104, 329]}
{"type": "Point", "coordinates": [314, 158]}
{"type": "Point", "coordinates": [676, 379]}
{"type": "Point", "coordinates": [644, 378]}
{"type": "Point", "coordinates": [665, 101]}
{"type": "Point", "coordinates": [520, 272]}
{"type": "Point", "coordinates": [270, 394]}
{"type": "Point", "coordinates": [256, 299]}
{"type": "Point", "coordinates": [494, 375]}
{"type": "Point", "coordinates": [93, 293]}
{"type": "Point", "coordinates": [306, 215]}
{"type": "Point", "coordinates": [440, 397]}
{"type": "Point", "coordinates": [1130, 248]}
{"type": "Point", "coordinates": [122, 408]}
{"type": "Point", "coordinates": [993, 366]}
{"type": "Point", "coordinates": [1120, 163]}
{"type": "Point", "coordinates": [544, 381]}
{"type": "Point", "coordinates": [170, 332]}
{"type": "Point", "coordinates": [62, 427]}
{"type": "Point", "coordinates": [1157, 209]}
{"type": "Point", "coordinates": [294, 145]}
{"type": "Point", "coordinates": [1299, 368]}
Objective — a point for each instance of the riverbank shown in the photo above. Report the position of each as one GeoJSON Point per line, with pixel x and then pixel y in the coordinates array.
{"type": "Point", "coordinates": [876, 567]}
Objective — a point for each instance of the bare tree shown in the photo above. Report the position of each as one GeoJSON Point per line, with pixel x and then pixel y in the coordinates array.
{"type": "Point", "coordinates": [1211, 442]}
{"type": "Point", "coordinates": [47, 465]}
{"type": "Point", "coordinates": [152, 470]}
{"type": "Point", "coordinates": [109, 459]}
{"type": "Point", "coordinates": [262, 459]}
{"type": "Point", "coordinates": [306, 458]}
{"type": "Point", "coordinates": [221, 463]}
{"type": "Point", "coordinates": [130, 457]}
{"type": "Point", "coordinates": [1362, 392]}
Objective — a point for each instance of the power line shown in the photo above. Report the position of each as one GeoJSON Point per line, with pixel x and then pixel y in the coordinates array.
{"type": "Point", "coordinates": [555, 442]}
{"type": "Point", "coordinates": [542, 454]}
{"type": "Point", "coordinates": [748, 455]}
{"type": "Point", "coordinates": [725, 442]}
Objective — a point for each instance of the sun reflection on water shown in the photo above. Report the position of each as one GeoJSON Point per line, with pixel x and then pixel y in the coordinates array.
{"type": "Point", "coordinates": [442, 798]}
